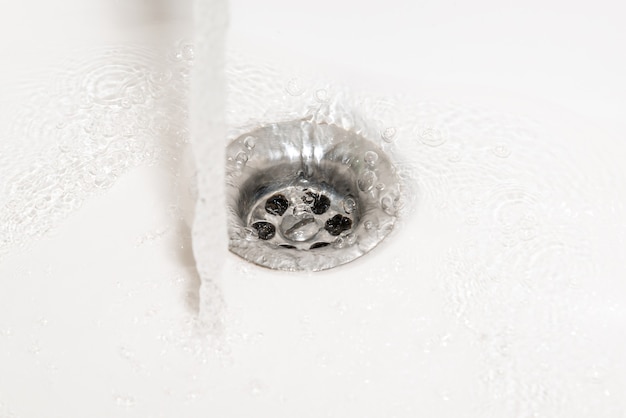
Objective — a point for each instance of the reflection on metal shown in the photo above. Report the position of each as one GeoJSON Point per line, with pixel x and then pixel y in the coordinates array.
{"type": "Point", "coordinates": [308, 196]}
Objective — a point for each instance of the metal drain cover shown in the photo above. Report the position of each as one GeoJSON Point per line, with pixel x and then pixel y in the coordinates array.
{"type": "Point", "coordinates": [308, 196]}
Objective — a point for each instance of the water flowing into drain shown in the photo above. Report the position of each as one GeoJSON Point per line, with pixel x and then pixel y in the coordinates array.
{"type": "Point", "coordinates": [308, 196]}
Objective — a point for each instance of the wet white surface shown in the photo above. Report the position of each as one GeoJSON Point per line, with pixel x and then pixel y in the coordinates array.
{"type": "Point", "coordinates": [501, 294]}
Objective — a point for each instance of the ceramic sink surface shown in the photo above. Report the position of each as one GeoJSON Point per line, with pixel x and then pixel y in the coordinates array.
{"type": "Point", "coordinates": [500, 292]}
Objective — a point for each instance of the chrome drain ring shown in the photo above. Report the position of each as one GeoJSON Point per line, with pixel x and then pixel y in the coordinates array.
{"type": "Point", "coordinates": [308, 196]}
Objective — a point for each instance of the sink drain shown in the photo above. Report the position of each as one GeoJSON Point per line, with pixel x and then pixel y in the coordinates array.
{"type": "Point", "coordinates": [308, 196]}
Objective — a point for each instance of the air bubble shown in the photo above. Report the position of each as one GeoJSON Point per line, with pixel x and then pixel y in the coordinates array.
{"type": "Point", "coordinates": [349, 205]}
{"type": "Point", "coordinates": [366, 181]}
{"type": "Point", "coordinates": [386, 204]}
{"type": "Point", "coordinates": [370, 158]}
{"type": "Point", "coordinates": [389, 134]}
{"type": "Point", "coordinates": [432, 137]}
{"type": "Point", "coordinates": [249, 142]}
{"type": "Point", "coordinates": [187, 52]}
{"type": "Point", "coordinates": [351, 239]}
{"type": "Point", "coordinates": [241, 158]}
{"type": "Point", "coordinates": [294, 87]}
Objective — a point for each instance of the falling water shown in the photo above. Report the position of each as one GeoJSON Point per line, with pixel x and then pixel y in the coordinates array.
{"type": "Point", "coordinates": [207, 136]}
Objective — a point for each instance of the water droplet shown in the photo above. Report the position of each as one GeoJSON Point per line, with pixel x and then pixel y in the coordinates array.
{"type": "Point", "coordinates": [294, 87]}
{"type": "Point", "coordinates": [389, 134]}
{"type": "Point", "coordinates": [187, 52]}
{"type": "Point", "coordinates": [501, 150]}
{"type": "Point", "coordinates": [368, 225]}
{"type": "Point", "coordinates": [349, 205]}
{"type": "Point", "coordinates": [366, 181]}
{"type": "Point", "coordinates": [321, 95]}
{"type": "Point", "coordinates": [386, 204]}
{"type": "Point", "coordinates": [380, 187]}
{"type": "Point", "coordinates": [339, 243]}
{"type": "Point", "coordinates": [370, 158]}
{"type": "Point", "coordinates": [241, 158]}
{"type": "Point", "coordinates": [431, 136]}
{"type": "Point", "coordinates": [249, 142]}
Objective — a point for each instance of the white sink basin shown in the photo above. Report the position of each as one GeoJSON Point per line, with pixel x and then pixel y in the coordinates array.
{"type": "Point", "coordinates": [501, 292]}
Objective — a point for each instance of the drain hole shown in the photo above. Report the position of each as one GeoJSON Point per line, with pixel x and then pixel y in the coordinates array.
{"type": "Point", "coordinates": [265, 229]}
{"type": "Point", "coordinates": [306, 186]}
{"type": "Point", "coordinates": [319, 245]}
{"type": "Point", "coordinates": [337, 224]}
{"type": "Point", "coordinates": [277, 205]}
{"type": "Point", "coordinates": [319, 203]}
